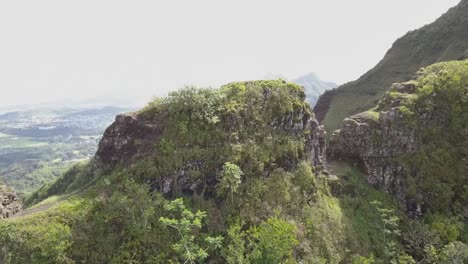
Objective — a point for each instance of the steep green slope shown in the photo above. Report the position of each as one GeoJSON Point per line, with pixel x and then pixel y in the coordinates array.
{"type": "Point", "coordinates": [443, 40]}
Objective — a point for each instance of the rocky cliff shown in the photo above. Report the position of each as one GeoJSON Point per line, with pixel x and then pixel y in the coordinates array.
{"type": "Point", "coordinates": [128, 138]}
{"type": "Point", "coordinates": [375, 140]}
{"type": "Point", "coordinates": [10, 203]}
{"type": "Point", "coordinates": [244, 123]}
{"type": "Point", "coordinates": [443, 40]}
{"type": "Point", "coordinates": [415, 140]}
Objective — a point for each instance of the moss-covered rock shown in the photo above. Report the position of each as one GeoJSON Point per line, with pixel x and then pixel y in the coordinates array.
{"type": "Point", "coordinates": [181, 142]}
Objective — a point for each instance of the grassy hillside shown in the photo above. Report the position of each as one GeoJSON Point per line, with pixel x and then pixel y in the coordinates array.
{"type": "Point", "coordinates": [443, 40]}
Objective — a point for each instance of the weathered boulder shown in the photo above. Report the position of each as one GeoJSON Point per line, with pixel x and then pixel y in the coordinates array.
{"type": "Point", "coordinates": [10, 203]}
{"type": "Point", "coordinates": [129, 138]}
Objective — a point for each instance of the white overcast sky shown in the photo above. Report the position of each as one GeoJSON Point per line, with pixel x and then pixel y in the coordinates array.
{"type": "Point", "coordinates": [61, 50]}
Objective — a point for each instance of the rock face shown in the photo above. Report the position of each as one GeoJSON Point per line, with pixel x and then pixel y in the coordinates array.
{"type": "Point", "coordinates": [10, 203]}
{"type": "Point", "coordinates": [414, 143]}
{"type": "Point", "coordinates": [134, 137]}
{"type": "Point", "coordinates": [375, 140]}
{"type": "Point", "coordinates": [129, 138]}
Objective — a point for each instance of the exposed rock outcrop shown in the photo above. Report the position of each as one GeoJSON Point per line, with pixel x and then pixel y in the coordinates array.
{"type": "Point", "coordinates": [10, 203]}
{"type": "Point", "coordinates": [134, 137]}
{"type": "Point", "coordinates": [129, 138]}
{"type": "Point", "coordinates": [414, 143]}
{"type": "Point", "coordinates": [376, 143]}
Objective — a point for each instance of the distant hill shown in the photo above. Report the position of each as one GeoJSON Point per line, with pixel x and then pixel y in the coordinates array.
{"type": "Point", "coordinates": [443, 40]}
{"type": "Point", "coordinates": [314, 87]}
{"type": "Point", "coordinates": [311, 82]}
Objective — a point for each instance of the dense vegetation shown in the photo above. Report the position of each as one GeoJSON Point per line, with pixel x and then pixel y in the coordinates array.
{"type": "Point", "coordinates": [430, 115]}
{"type": "Point", "coordinates": [438, 112]}
{"type": "Point", "coordinates": [443, 40]}
{"type": "Point", "coordinates": [257, 198]}
{"type": "Point", "coordinates": [267, 191]}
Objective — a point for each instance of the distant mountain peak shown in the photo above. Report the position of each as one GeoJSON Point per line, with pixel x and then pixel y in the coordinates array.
{"type": "Point", "coordinates": [311, 82]}
{"type": "Point", "coordinates": [309, 75]}
{"type": "Point", "coordinates": [313, 86]}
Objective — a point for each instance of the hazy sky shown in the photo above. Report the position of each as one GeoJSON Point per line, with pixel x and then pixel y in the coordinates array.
{"type": "Point", "coordinates": [58, 50]}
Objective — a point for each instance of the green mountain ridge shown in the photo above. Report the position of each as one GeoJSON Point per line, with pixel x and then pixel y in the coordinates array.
{"type": "Point", "coordinates": [246, 173]}
{"type": "Point", "coordinates": [232, 175]}
{"type": "Point", "coordinates": [184, 146]}
{"type": "Point", "coordinates": [443, 40]}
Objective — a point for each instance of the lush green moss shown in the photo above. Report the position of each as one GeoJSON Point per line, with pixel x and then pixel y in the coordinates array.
{"type": "Point", "coordinates": [374, 115]}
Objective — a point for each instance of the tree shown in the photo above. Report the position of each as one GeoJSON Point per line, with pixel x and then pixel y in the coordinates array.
{"type": "Point", "coordinates": [273, 241]}
{"type": "Point", "coordinates": [230, 179]}
{"type": "Point", "coordinates": [187, 224]}
{"type": "Point", "coordinates": [234, 252]}
{"type": "Point", "coordinates": [196, 104]}
{"type": "Point", "coordinates": [363, 260]}
{"type": "Point", "coordinates": [388, 224]}
{"type": "Point", "coordinates": [122, 228]}
{"type": "Point", "coordinates": [455, 252]}
{"type": "Point", "coordinates": [419, 239]}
